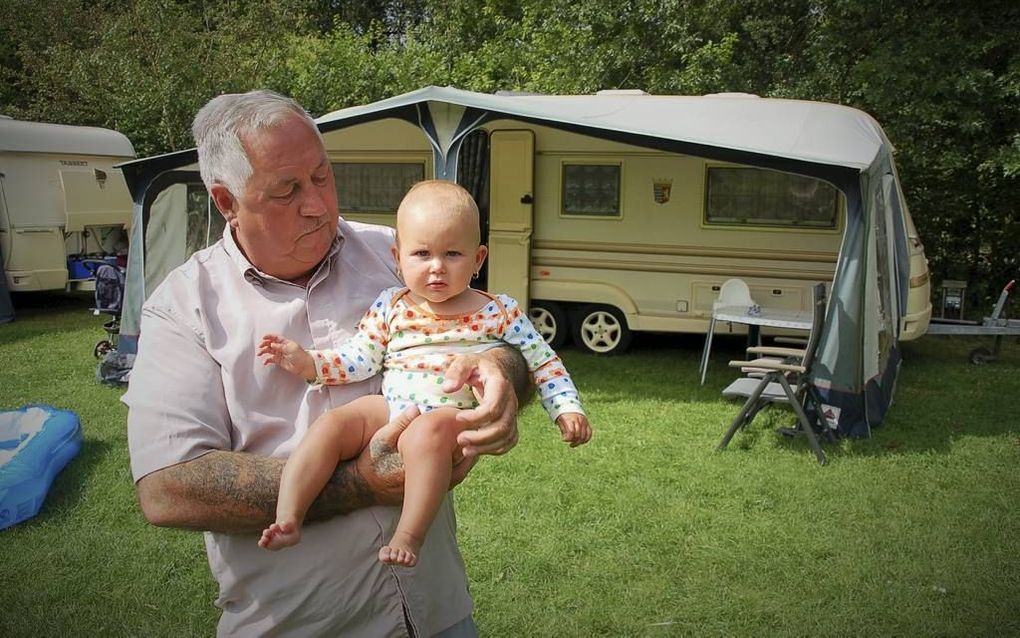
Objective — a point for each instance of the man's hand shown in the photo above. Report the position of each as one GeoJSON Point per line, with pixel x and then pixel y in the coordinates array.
{"type": "Point", "coordinates": [382, 469]}
{"type": "Point", "coordinates": [491, 428]}
{"type": "Point", "coordinates": [380, 465]}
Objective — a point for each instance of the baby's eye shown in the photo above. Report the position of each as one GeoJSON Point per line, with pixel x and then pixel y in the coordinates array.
{"type": "Point", "coordinates": [420, 253]}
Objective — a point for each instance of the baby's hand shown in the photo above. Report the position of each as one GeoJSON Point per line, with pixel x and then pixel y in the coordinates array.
{"type": "Point", "coordinates": [288, 355]}
{"type": "Point", "coordinates": [574, 427]}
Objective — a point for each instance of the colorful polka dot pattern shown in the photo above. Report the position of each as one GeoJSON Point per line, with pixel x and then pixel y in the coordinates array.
{"type": "Point", "coordinates": [414, 348]}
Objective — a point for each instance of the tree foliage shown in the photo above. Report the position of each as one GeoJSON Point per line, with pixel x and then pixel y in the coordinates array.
{"type": "Point", "coordinates": [942, 77]}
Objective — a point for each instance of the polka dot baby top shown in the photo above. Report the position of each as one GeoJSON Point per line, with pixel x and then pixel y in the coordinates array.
{"type": "Point", "coordinates": [414, 347]}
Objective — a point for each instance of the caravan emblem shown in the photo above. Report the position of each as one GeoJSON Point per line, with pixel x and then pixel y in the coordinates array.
{"type": "Point", "coordinates": [660, 189]}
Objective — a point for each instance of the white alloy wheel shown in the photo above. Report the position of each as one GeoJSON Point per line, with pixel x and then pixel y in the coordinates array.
{"type": "Point", "coordinates": [602, 330]}
{"type": "Point", "coordinates": [551, 322]}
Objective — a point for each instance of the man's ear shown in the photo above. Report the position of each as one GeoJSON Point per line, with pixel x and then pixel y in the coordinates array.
{"type": "Point", "coordinates": [225, 202]}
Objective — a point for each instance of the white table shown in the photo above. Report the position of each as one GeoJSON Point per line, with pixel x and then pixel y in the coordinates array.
{"type": "Point", "coordinates": [773, 317]}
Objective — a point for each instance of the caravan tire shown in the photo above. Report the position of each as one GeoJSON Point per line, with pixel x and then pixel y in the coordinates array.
{"type": "Point", "coordinates": [551, 322]}
{"type": "Point", "coordinates": [602, 330]}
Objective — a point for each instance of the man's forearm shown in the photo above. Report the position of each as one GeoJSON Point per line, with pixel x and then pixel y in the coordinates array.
{"type": "Point", "coordinates": [511, 362]}
{"type": "Point", "coordinates": [237, 492]}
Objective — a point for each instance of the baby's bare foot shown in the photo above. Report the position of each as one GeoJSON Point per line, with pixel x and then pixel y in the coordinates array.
{"type": "Point", "coordinates": [401, 550]}
{"type": "Point", "coordinates": [280, 535]}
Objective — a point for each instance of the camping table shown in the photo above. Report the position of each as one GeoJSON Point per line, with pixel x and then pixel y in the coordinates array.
{"type": "Point", "coordinates": [773, 317]}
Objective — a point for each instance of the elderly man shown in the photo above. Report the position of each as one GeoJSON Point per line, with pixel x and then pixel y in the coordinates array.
{"type": "Point", "coordinates": [209, 427]}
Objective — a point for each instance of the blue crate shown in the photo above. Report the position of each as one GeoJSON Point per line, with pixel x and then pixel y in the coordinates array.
{"type": "Point", "coordinates": [25, 477]}
{"type": "Point", "coordinates": [77, 268]}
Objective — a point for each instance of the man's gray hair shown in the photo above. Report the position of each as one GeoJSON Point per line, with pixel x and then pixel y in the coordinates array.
{"type": "Point", "coordinates": [221, 124]}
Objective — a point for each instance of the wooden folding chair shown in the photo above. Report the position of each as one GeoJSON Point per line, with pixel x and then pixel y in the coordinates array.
{"type": "Point", "coordinates": [781, 375]}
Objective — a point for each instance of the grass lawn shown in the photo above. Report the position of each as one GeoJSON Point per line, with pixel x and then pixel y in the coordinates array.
{"type": "Point", "coordinates": [646, 531]}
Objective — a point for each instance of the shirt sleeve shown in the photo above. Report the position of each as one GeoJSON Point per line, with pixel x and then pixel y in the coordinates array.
{"type": "Point", "coordinates": [556, 389]}
{"type": "Point", "coordinates": [361, 356]}
{"type": "Point", "coordinates": [173, 363]}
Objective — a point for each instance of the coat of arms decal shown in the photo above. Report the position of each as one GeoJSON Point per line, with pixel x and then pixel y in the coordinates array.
{"type": "Point", "coordinates": [660, 189]}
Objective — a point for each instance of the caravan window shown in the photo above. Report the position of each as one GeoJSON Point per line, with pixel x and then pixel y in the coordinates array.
{"type": "Point", "coordinates": [761, 197]}
{"type": "Point", "coordinates": [591, 190]}
{"type": "Point", "coordinates": [374, 187]}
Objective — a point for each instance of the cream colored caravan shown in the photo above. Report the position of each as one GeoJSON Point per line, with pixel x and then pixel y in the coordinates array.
{"type": "Point", "coordinates": [61, 201]}
{"type": "Point", "coordinates": [618, 212]}
{"type": "Point", "coordinates": [604, 238]}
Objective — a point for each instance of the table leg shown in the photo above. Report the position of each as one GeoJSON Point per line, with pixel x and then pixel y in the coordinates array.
{"type": "Point", "coordinates": [753, 335]}
{"type": "Point", "coordinates": [707, 350]}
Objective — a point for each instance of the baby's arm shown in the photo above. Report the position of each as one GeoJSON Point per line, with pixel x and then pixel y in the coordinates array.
{"type": "Point", "coordinates": [552, 381]}
{"type": "Point", "coordinates": [574, 427]}
{"type": "Point", "coordinates": [356, 359]}
{"type": "Point", "coordinates": [288, 355]}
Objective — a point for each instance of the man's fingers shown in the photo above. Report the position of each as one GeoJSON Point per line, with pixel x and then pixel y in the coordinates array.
{"type": "Point", "coordinates": [461, 469]}
{"type": "Point", "coordinates": [488, 440]}
{"type": "Point", "coordinates": [397, 426]}
{"type": "Point", "coordinates": [463, 369]}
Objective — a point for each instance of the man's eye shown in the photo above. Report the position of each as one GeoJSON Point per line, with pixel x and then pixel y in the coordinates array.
{"type": "Point", "coordinates": [285, 195]}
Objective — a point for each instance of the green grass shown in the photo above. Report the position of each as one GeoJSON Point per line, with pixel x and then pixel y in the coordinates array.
{"type": "Point", "coordinates": [646, 531]}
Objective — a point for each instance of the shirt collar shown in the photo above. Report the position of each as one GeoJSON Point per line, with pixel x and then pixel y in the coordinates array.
{"type": "Point", "coordinates": [255, 276]}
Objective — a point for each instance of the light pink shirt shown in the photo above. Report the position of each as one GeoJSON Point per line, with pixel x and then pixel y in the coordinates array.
{"type": "Point", "coordinates": [197, 386]}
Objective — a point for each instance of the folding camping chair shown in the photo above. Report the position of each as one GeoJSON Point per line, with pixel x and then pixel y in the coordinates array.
{"type": "Point", "coordinates": [782, 375]}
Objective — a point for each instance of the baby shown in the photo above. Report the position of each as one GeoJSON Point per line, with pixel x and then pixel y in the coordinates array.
{"type": "Point", "coordinates": [412, 334]}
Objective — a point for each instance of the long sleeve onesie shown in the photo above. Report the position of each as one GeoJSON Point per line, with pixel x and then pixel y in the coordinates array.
{"type": "Point", "coordinates": [413, 347]}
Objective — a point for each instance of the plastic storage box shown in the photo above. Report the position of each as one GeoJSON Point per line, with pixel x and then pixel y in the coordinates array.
{"type": "Point", "coordinates": [36, 442]}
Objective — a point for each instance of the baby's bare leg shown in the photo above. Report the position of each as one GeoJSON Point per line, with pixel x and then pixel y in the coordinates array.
{"type": "Point", "coordinates": [337, 435]}
{"type": "Point", "coordinates": [427, 448]}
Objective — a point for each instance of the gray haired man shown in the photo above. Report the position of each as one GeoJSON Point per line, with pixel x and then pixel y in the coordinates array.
{"type": "Point", "coordinates": [209, 429]}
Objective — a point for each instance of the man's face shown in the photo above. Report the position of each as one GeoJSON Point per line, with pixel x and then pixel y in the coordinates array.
{"type": "Point", "coordinates": [286, 218]}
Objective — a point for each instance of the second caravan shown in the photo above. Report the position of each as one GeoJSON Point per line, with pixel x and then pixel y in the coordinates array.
{"type": "Point", "coordinates": [62, 202]}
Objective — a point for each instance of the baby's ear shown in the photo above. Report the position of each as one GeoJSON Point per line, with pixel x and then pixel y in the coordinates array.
{"type": "Point", "coordinates": [483, 251]}
{"type": "Point", "coordinates": [395, 251]}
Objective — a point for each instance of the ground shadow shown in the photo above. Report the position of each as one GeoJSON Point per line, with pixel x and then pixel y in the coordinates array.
{"type": "Point", "coordinates": [940, 395]}
{"type": "Point", "coordinates": [42, 313]}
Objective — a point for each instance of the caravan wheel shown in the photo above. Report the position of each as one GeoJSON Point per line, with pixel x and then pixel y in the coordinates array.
{"type": "Point", "coordinates": [602, 330]}
{"type": "Point", "coordinates": [551, 322]}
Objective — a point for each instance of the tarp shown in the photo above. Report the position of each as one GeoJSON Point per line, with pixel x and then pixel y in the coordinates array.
{"type": "Point", "coordinates": [859, 356]}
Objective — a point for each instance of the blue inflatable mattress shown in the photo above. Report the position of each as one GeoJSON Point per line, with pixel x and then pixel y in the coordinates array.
{"type": "Point", "coordinates": [36, 442]}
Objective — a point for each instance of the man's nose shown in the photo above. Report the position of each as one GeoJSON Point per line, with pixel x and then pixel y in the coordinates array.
{"type": "Point", "coordinates": [315, 202]}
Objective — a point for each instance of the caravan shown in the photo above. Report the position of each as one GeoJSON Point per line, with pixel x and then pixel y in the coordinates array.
{"type": "Point", "coordinates": [63, 205]}
{"type": "Point", "coordinates": [621, 212]}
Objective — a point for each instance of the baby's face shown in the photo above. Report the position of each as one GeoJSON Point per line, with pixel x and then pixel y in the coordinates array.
{"type": "Point", "coordinates": [438, 252]}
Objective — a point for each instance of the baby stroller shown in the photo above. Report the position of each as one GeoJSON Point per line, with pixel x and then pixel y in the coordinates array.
{"type": "Point", "coordinates": [109, 301]}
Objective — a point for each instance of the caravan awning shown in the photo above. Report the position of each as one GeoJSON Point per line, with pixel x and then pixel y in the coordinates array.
{"type": "Point", "coordinates": [812, 132]}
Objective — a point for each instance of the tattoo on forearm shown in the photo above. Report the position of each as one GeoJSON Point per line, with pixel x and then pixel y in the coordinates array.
{"type": "Point", "coordinates": [240, 487]}
{"type": "Point", "coordinates": [237, 492]}
{"type": "Point", "coordinates": [385, 458]}
{"type": "Point", "coordinates": [345, 492]}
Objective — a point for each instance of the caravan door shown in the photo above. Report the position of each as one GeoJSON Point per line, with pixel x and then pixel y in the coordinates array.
{"type": "Point", "coordinates": [511, 204]}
